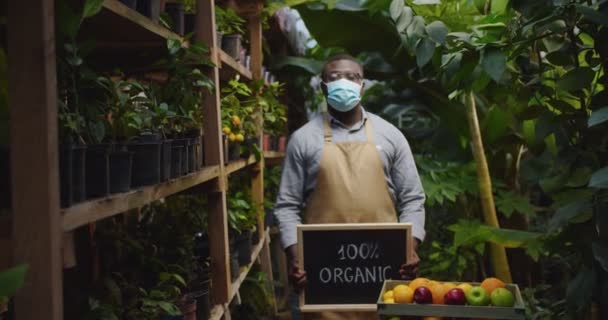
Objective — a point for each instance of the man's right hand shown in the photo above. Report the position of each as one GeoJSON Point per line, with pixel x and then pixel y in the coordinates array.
{"type": "Point", "coordinates": [297, 277]}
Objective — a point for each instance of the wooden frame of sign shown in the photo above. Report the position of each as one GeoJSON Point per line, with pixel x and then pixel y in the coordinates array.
{"type": "Point", "coordinates": [349, 307]}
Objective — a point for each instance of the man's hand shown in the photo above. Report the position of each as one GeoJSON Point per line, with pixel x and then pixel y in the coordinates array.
{"type": "Point", "coordinates": [409, 270]}
{"type": "Point", "coordinates": [297, 277]}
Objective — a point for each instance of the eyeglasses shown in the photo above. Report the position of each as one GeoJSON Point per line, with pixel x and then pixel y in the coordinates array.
{"type": "Point", "coordinates": [347, 75]}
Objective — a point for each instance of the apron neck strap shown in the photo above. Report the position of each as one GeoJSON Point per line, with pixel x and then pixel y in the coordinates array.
{"type": "Point", "coordinates": [327, 129]}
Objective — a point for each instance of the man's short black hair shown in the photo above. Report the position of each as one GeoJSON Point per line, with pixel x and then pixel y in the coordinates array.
{"type": "Point", "coordinates": [341, 56]}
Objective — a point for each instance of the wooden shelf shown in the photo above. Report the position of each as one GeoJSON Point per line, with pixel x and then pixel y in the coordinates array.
{"type": "Point", "coordinates": [124, 38]}
{"type": "Point", "coordinates": [230, 67]}
{"type": "Point", "coordinates": [237, 165]}
{"type": "Point", "coordinates": [93, 210]}
{"type": "Point", "coordinates": [274, 155]}
{"type": "Point", "coordinates": [218, 310]}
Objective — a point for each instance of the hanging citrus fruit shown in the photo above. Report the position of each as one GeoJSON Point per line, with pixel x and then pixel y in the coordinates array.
{"type": "Point", "coordinates": [232, 137]}
{"type": "Point", "coordinates": [240, 137]}
{"type": "Point", "coordinates": [236, 120]}
{"type": "Point", "coordinates": [226, 130]}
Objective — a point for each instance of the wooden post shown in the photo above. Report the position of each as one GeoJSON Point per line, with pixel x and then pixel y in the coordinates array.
{"type": "Point", "coordinates": [34, 158]}
{"type": "Point", "coordinates": [218, 220]}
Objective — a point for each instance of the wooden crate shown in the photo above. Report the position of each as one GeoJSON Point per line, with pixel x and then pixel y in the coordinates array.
{"type": "Point", "coordinates": [439, 310]}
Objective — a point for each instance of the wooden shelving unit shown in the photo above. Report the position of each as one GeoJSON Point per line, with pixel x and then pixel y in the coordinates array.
{"type": "Point", "coordinates": [130, 41]}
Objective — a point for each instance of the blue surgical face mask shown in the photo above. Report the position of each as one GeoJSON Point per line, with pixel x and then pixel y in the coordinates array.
{"type": "Point", "coordinates": [343, 95]}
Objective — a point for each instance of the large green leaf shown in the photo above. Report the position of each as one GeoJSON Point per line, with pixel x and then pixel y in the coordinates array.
{"type": "Point", "coordinates": [510, 201]}
{"type": "Point", "coordinates": [496, 124]}
{"type": "Point", "coordinates": [593, 15]}
{"type": "Point", "coordinates": [576, 79]}
{"type": "Point", "coordinates": [567, 213]}
{"type": "Point", "coordinates": [424, 51]}
{"type": "Point", "coordinates": [11, 280]}
{"type": "Point", "coordinates": [470, 232]}
{"type": "Point", "coordinates": [312, 66]}
{"type": "Point", "coordinates": [91, 8]}
{"type": "Point", "coordinates": [405, 19]}
{"type": "Point", "coordinates": [396, 8]}
{"type": "Point", "coordinates": [598, 116]}
{"type": "Point", "coordinates": [599, 179]}
{"type": "Point", "coordinates": [494, 63]}
{"type": "Point", "coordinates": [437, 31]}
{"type": "Point", "coordinates": [580, 289]}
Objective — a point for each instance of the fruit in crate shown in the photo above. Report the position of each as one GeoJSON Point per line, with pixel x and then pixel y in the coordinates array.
{"type": "Point", "coordinates": [438, 290]}
{"type": "Point", "coordinates": [502, 297]}
{"type": "Point", "coordinates": [490, 284]}
{"type": "Point", "coordinates": [423, 295]}
{"type": "Point", "coordinates": [403, 294]}
{"type": "Point", "coordinates": [419, 282]}
{"type": "Point", "coordinates": [455, 296]}
{"type": "Point", "coordinates": [477, 296]}
{"type": "Point", "coordinates": [465, 287]}
{"type": "Point", "coordinates": [388, 295]}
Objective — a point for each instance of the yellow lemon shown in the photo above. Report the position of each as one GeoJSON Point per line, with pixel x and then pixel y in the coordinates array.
{"type": "Point", "coordinates": [232, 137]}
{"type": "Point", "coordinates": [236, 120]}
{"type": "Point", "coordinates": [389, 301]}
{"type": "Point", "coordinates": [388, 295]}
{"type": "Point", "coordinates": [226, 130]}
{"type": "Point", "coordinates": [240, 137]}
{"type": "Point", "coordinates": [403, 294]}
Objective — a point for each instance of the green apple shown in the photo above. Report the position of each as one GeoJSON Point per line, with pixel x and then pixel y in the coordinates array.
{"type": "Point", "coordinates": [502, 297]}
{"type": "Point", "coordinates": [477, 296]}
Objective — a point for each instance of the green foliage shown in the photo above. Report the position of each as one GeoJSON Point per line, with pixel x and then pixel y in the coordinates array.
{"type": "Point", "coordinates": [228, 21]}
{"type": "Point", "coordinates": [10, 281]}
{"type": "Point", "coordinates": [242, 211]}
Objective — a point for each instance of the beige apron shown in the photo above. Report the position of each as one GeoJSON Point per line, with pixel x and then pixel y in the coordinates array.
{"type": "Point", "coordinates": [350, 188]}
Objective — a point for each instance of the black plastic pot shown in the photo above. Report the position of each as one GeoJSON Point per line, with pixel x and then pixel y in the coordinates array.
{"type": "Point", "coordinates": [149, 8]}
{"type": "Point", "coordinates": [234, 151]}
{"type": "Point", "coordinates": [219, 39]}
{"type": "Point", "coordinates": [185, 143]}
{"type": "Point", "coordinates": [72, 165]}
{"type": "Point", "coordinates": [235, 271]}
{"type": "Point", "coordinates": [130, 3]}
{"type": "Point", "coordinates": [146, 162]}
{"type": "Point", "coordinates": [201, 246]}
{"type": "Point", "coordinates": [5, 178]}
{"type": "Point", "coordinates": [203, 301]}
{"type": "Point", "coordinates": [121, 164]}
{"type": "Point", "coordinates": [189, 23]}
{"type": "Point", "coordinates": [98, 170]}
{"type": "Point", "coordinates": [249, 144]}
{"type": "Point", "coordinates": [165, 160]}
{"type": "Point", "coordinates": [244, 247]}
{"type": "Point", "coordinates": [175, 11]}
{"type": "Point", "coordinates": [231, 44]}
{"type": "Point", "coordinates": [176, 160]}
{"type": "Point", "coordinates": [192, 161]}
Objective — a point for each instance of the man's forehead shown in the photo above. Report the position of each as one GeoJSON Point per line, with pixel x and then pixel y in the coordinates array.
{"type": "Point", "coordinates": [343, 65]}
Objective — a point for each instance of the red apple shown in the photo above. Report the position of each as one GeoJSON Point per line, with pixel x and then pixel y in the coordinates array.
{"type": "Point", "coordinates": [423, 295]}
{"type": "Point", "coordinates": [455, 297]}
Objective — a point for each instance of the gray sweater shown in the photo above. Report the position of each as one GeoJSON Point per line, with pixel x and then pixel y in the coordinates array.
{"type": "Point", "coordinates": [303, 158]}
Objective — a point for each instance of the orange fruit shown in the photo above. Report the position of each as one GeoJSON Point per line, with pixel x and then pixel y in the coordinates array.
{"type": "Point", "coordinates": [403, 294]}
{"type": "Point", "coordinates": [419, 282]}
{"type": "Point", "coordinates": [438, 290]}
{"type": "Point", "coordinates": [489, 284]}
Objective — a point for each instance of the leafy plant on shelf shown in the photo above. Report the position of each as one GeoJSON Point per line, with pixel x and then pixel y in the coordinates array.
{"type": "Point", "coordinates": [241, 212]}
{"type": "Point", "coordinates": [228, 21]}
{"type": "Point", "coordinates": [184, 89]}
{"type": "Point", "coordinates": [238, 121]}
{"type": "Point", "coordinates": [256, 294]}
{"type": "Point", "coordinates": [10, 281]}
{"type": "Point", "coordinates": [275, 112]}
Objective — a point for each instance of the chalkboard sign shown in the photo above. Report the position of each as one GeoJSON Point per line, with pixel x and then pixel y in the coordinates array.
{"type": "Point", "coordinates": [346, 264]}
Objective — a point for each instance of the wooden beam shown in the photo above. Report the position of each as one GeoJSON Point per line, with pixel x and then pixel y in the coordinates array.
{"type": "Point", "coordinates": [34, 157]}
{"type": "Point", "coordinates": [255, 38]}
{"type": "Point", "coordinates": [214, 155]}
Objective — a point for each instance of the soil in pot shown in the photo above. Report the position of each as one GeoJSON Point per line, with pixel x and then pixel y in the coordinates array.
{"type": "Point", "coordinates": [149, 8]}
{"type": "Point", "coordinates": [98, 170]}
{"type": "Point", "coordinates": [231, 44]}
{"type": "Point", "coordinates": [244, 247]}
{"type": "Point", "coordinates": [130, 3]}
{"type": "Point", "coordinates": [176, 161]}
{"type": "Point", "coordinates": [165, 160]}
{"type": "Point", "coordinates": [175, 11]}
{"type": "Point", "coordinates": [121, 164]}
{"type": "Point", "coordinates": [146, 161]}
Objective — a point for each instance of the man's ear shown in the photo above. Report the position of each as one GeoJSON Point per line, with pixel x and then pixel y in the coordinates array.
{"type": "Point", "coordinates": [324, 88]}
{"type": "Point", "coordinates": [362, 88]}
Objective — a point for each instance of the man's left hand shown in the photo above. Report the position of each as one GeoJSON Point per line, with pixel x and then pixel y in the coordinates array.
{"type": "Point", "coordinates": [409, 270]}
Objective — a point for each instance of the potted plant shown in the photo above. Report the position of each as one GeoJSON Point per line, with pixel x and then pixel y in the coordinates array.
{"type": "Point", "coordinates": [231, 27]}
{"type": "Point", "coordinates": [238, 116]}
{"type": "Point", "coordinates": [175, 12]}
{"type": "Point", "coordinates": [275, 115]}
{"type": "Point", "coordinates": [242, 220]}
